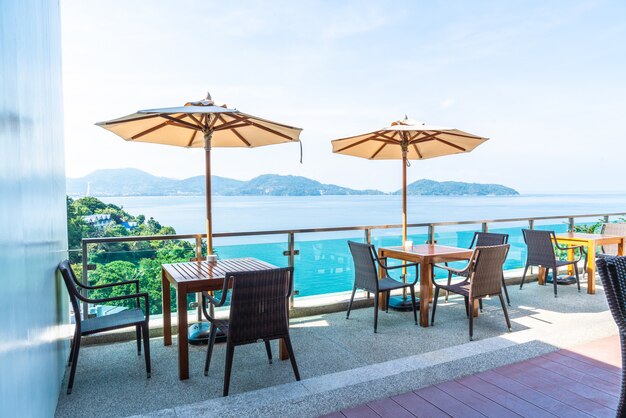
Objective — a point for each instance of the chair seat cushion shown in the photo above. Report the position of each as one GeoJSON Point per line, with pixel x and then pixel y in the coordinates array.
{"type": "Point", "coordinates": [117, 320]}
{"type": "Point", "coordinates": [461, 288]}
{"type": "Point", "coordinates": [388, 283]}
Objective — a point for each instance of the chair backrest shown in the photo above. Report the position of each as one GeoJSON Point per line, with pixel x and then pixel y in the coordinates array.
{"type": "Point", "coordinates": [540, 247]}
{"type": "Point", "coordinates": [612, 272]}
{"type": "Point", "coordinates": [486, 270]}
{"type": "Point", "coordinates": [259, 304]}
{"type": "Point", "coordinates": [619, 229]}
{"type": "Point", "coordinates": [487, 239]}
{"type": "Point", "coordinates": [70, 280]}
{"type": "Point", "coordinates": [365, 273]}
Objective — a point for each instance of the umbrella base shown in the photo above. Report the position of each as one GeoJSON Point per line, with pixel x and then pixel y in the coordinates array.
{"type": "Point", "coordinates": [400, 303]}
{"type": "Point", "coordinates": [200, 332]}
{"type": "Point", "coordinates": [562, 279]}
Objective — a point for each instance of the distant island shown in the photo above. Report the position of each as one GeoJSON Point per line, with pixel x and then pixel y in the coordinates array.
{"type": "Point", "coordinates": [427, 187]}
{"type": "Point", "coordinates": [134, 182]}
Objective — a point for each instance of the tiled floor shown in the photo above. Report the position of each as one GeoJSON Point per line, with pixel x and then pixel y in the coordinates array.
{"type": "Point", "coordinates": [580, 382]}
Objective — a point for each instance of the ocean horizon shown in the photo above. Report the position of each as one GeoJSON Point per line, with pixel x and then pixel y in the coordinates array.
{"type": "Point", "coordinates": [186, 214]}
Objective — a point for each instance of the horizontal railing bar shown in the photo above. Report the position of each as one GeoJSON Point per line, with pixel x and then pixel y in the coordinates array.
{"type": "Point", "coordinates": [101, 240]}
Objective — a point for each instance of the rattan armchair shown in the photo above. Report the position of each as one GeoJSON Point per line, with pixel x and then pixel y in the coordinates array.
{"type": "Point", "coordinates": [485, 239]}
{"type": "Point", "coordinates": [541, 254]}
{"type": "Point", "coordinates": [366, 277]}
{"type": "Point", "coordinates": [612, 272]}
{"type": "Point", "coordinates": [259, 306]}
{"type": "Point", "coordinates": [127, 318]}
{"type": "Point", "coordinates": [483, 278]}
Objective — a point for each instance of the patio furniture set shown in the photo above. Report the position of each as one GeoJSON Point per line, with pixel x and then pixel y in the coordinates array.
{"type": "Point", "coordinates": [477, 278]}
{"type": "Point", "coordinates": [259, 292]}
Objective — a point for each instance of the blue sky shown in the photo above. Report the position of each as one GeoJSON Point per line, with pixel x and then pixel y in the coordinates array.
{"type": "Point", "coordinates": [545, 81]}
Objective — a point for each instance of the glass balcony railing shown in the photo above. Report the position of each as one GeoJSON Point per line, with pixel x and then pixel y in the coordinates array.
{"type": "Point", "coordinates": [320, 257]}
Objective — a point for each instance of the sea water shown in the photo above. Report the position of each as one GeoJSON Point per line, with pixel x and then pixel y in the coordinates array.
{"type": "Point", "coordinates": [324, 264]}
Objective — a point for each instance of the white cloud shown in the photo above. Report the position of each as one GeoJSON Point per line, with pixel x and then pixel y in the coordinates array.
{"type": "Point", "coordinates": [448, 102]}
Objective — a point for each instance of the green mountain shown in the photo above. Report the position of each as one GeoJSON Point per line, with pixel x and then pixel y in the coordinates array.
{"type": "Point", "coordinates": [276, 185]}
{"type": "Point", "coordinates": [133, 182]}
{"type": "Point", "coordinates": [427, 187]}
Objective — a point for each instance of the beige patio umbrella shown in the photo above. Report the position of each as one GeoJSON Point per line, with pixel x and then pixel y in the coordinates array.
{"type": "Point", "coordinates": [407, 140]}
{"type": "Point", "coordinates": [205, 125]}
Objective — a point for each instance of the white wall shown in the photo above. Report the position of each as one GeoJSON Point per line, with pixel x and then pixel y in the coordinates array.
{"type": "Point", "coordinates": [33, 232]}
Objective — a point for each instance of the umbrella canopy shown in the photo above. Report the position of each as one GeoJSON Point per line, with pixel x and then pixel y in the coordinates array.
{"type": "Point", "coordinates": [201, 124]}
{"type": "Point", "coordinates": [407, 140]}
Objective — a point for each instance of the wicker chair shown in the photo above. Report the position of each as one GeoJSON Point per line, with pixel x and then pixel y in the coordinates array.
{"type": "Point", "coordinates": [484, 278]}
{"type": "Point", "coordinates": [541, 254]}
{"type": "Point", "coordinates": [366, 277]}
{"type": "Point", "coordinates": [259, 308]}
{"type": "Point", "coordinates": [127, 318]}
{"type": "Point", "coordinates": [612, 272]}
{"type": "Point", "coordinates": [612, 228]}
{"type": "Point", "coordinates": [486, 239]}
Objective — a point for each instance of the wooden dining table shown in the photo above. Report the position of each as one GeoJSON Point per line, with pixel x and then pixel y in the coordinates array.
{"type": "Point", "coordinates": [592, 242]}
{"type": "Point", "coordinates": [426, 255]}
{"type": "Point", "coordinates": [192, 277]}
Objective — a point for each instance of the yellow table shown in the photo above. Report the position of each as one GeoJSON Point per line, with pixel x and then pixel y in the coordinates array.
{"type": "Point", "coordinates": [591, 241]}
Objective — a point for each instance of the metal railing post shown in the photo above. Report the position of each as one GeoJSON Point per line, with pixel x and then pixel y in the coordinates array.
{"type": "Point", "coordinates": [368, 240]}
{"type": "Point", "coordinates": [531, 225]}
{"type": "Point", "coordinates": [570, 222]}
{"type": "Point", "coordinates": [291, 244]}
{"type": "Point", "coordinates": [485, 227]}
{"type": "Point", "coordinates": [606, 219]}
{"type": "Point", "coordinates": [198, 247]}
{"type": "Point", "coordinates": [431, 234]}
{"type": "Point", "coordinates": [85, 279]}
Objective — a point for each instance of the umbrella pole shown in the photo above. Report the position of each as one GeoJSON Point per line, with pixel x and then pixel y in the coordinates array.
{"type": "Point", "coordinates": [403, 199]}
{"type": "Point", "coordinates": [207, 161]}
{"type": "Point", "coordinates": [404, 216]}
{"type": "Point", "coordinates": [403, 303]}
{"type": "Point", "coordinates": [200, 332]}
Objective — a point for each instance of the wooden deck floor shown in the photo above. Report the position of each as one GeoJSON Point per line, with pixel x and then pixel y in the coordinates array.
{"type": "Point", "coordinates": [579, 382]}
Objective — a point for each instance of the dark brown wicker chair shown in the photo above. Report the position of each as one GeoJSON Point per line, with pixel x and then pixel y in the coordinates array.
{"type": "Point", "coordinates": [612, 270]}
{"type": "Point", "coordinates": [484, 278]}
{"type": "Point", "coordinates": [541, 254]}
{"type": "Point", "coordinates": [486, 239]}
{"type": "Point", "coordinates": [127, 318]}
{"type": "Point", "coordinates": [366, 277]}
{"type": "Point", "coordinates": [259, 308]}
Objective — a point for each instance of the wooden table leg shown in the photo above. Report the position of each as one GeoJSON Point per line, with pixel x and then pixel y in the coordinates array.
{"type": "Point", "coordinates": [167, 309]}
{"type": "Point", "coordinates": [475, 308]}
{"type": "Point", "coordinates": [283, 354]}
{"type": "Point", "coordinates": [541, 276]}
{"type": "Point", "coordinates": [620, 247]}
{"type": "Point", "coordinates": [183, 343]}
{"type": "Point", "coordinates": [591, 267]}
{"type": "Point", "coordinates": [570, 267]}
{"type": "Point", "coordinates": [425, 287]}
